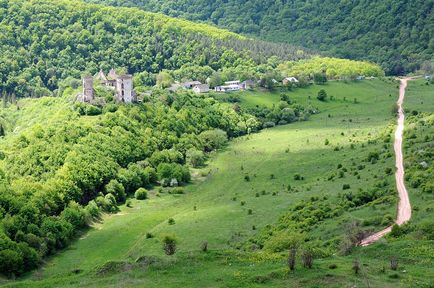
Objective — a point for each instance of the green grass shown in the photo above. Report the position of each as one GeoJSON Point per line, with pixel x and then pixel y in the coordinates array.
{"type": "Point", "coordinates": [223, 222]}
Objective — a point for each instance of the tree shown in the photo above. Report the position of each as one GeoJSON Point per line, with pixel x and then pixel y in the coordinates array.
{"type": "Point", "coordinates": [319, 78]}
{"type": "Point", "coordinates": [164, 79]}
{"type": "Point", "coordinates": [213, 139]}
{"type": "Point", "coordinates": [195, 158]}
{"type": "Point", "coordinates": [215, 80]}
{"type": "Point", "coordinates": [322, 95]}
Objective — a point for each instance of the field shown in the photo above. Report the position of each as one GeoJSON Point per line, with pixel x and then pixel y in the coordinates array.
{"type": "Point", "coordinates": [241, 190]}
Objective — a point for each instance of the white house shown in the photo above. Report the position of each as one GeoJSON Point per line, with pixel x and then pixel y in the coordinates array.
{"type": "Point", "coordinates": [227, 88]}
{"type": "Point", "coordinates": [236, 82]}
{"type": "Point", "coordinates": [202, 88]}
{"type": "Point", "coordinates": [289, 80]}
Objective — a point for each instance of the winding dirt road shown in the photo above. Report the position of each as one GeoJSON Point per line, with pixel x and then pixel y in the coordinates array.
{"type": "Point", "coordinates": [404, 207]}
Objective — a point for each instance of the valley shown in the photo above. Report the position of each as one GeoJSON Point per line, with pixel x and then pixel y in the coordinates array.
{"type": "Point", "coordinates": [210, 209]}
{"type": "Point", "coordinates": [147, 146]}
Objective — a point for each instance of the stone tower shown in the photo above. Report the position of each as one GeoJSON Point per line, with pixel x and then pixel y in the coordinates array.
{"type": "Point", "coordinates": [124, 89]}
{"type": "Point", "coordinates": [88, 94]}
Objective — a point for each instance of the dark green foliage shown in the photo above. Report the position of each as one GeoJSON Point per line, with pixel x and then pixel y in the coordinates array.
{"type": "Point", "coordinates": [55, 42]}
{"type": "Point", "coordinates": [322, 95]}
{"type": "Point", "coordinates": [169, 245]}
{"type": "Point", "coordinates": [346, 29]}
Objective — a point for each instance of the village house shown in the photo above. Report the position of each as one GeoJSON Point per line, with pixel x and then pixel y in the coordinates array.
{"type": "Point", "coordinates": [248, 84]}
{"type": "Point", "coordinates": [201, 88]}
{"type": "Point", "coordinates": [287, 80]}
{"type": "Point", "coordinates": [190, 84]}
{"type": "Point", "coordinates": [229, 86]}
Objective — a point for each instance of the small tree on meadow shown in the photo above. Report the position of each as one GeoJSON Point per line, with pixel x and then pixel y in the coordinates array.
{"type": "Point", "coordinates": [322, 95]}
{"type": "Point", "coordinates": [169, 244]}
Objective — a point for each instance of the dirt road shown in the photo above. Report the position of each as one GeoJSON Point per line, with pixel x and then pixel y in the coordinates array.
{"type": "Point", "coordinates": [404, 207]}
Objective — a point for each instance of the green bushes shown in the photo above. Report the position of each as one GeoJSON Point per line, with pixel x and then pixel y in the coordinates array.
{"type": "Point", "coordinates": [141, 194]}
{"type": "Point", "coordinates": [117, 190]}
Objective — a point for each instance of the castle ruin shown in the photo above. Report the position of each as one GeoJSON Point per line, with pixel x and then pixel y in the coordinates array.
{"type": "Point", "coordinates": [88, 93]}
{"type": "Point", "coordinates": [121, 84]}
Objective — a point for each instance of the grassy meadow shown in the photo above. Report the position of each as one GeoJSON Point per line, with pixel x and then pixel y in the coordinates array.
{"type": "Point", "coordinates": [242, 189]}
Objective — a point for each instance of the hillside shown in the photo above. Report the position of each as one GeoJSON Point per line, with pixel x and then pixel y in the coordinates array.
{"type": "Point", "coordinates": [44, 42]}
{"type": "Point", "coordinates": [249, 221]}
{"type": "Point", "coordinates": [398, 35]}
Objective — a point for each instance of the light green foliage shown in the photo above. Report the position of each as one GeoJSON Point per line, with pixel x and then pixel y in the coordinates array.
{"type": "Point", "coordinates": [141, 194]}
{"type": "Point", "coordinates": [332, 68]}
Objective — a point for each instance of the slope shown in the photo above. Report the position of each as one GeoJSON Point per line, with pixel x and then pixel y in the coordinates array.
{"type": "Point", "coordinates": [216, 207]}
{"type": "Point", "coordinates": [45, 41]}
{"type": "Point", "coordinates": [396, 34]}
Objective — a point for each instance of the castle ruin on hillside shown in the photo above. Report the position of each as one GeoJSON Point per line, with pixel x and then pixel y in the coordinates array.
{"type": "Point", "coordinates": [121, 84]}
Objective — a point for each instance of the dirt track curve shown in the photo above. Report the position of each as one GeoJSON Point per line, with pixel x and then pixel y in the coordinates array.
{"type": "Point", "coordinates": [404, 207]}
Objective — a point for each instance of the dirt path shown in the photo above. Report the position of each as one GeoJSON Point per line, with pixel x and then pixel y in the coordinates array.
{"type": "Point", "coordinates": [404, 207]}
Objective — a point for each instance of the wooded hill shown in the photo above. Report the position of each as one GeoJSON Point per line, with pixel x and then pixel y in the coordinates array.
{"type": "Point", "coordinates": [399, 35]}
{"type": "Point", "coordinates": [45, 41]}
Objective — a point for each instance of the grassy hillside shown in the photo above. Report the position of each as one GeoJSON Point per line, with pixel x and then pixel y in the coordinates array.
{"type": "Point", "coordinates": [216, 208]}
{"type": "Point", "coordinates": [396, 34]}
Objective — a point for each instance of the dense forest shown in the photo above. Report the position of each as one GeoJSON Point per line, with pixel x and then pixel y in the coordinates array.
{"type": "Point", "coordinates": [45, 41]}
{"type": "Point", "coordinates": [398, 35]}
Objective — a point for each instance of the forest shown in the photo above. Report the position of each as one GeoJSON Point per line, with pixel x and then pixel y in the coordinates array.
{"type": "Point", "coordinates": [398, 35]}
{"type": "Point", "coordinates": [45, 41]}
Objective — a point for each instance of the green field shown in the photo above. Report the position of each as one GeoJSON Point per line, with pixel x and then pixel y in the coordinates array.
{"type": "Point", "coordinates": [211, 209]}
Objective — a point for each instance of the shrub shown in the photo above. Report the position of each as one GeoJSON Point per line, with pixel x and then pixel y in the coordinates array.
{"type": "Point", "coordinates": [249, 211]}
{"type": "Point", "coordinates": [169, 244]}
{"type": "Point", "coordinates": [116, 189]}
{"type": "Point", "coordinates": [333, 266]}
{"type": "Point", "coordinates": [322, 95]}
{"type": "Point", "coordinates": [141, 194]}
{"type": "Point", "coordinates": [307, 258]}
{"type": "Point", "coordinates": [195, 158]}
{"type": "Point", "coordinates": [393, 263]}
{"type": "Point", "coordinates": [356, 267]}
{"type": "Point", "coordinates": [204, 246]}
{"type": "Point", "coordinates": [129, 204]}
{"type": "Point", "coordinates": [177, 190]}
{"type": "Point", "coordinates": [149, 235]}
{"type": "Point", "coordinates": [346, 187]}
{"type": "Point", "coordinates": [171, 221]}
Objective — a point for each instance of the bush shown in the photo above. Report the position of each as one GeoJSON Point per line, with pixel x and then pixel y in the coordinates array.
{"type": "Point", "coordinates": [169, 244]}
{"type": "Point", "coordinates": [195, 158]}
{"type": "Point", "coordinates": [346, 187]}
{"type": "Point", "coordinates": [116, 189]}
{"type": "Point", "coordinates": [141, 194]}
{"type": "Point", "coordinates": [322, 95]}
{"type": "Point", "coordinates": [171, 221]}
